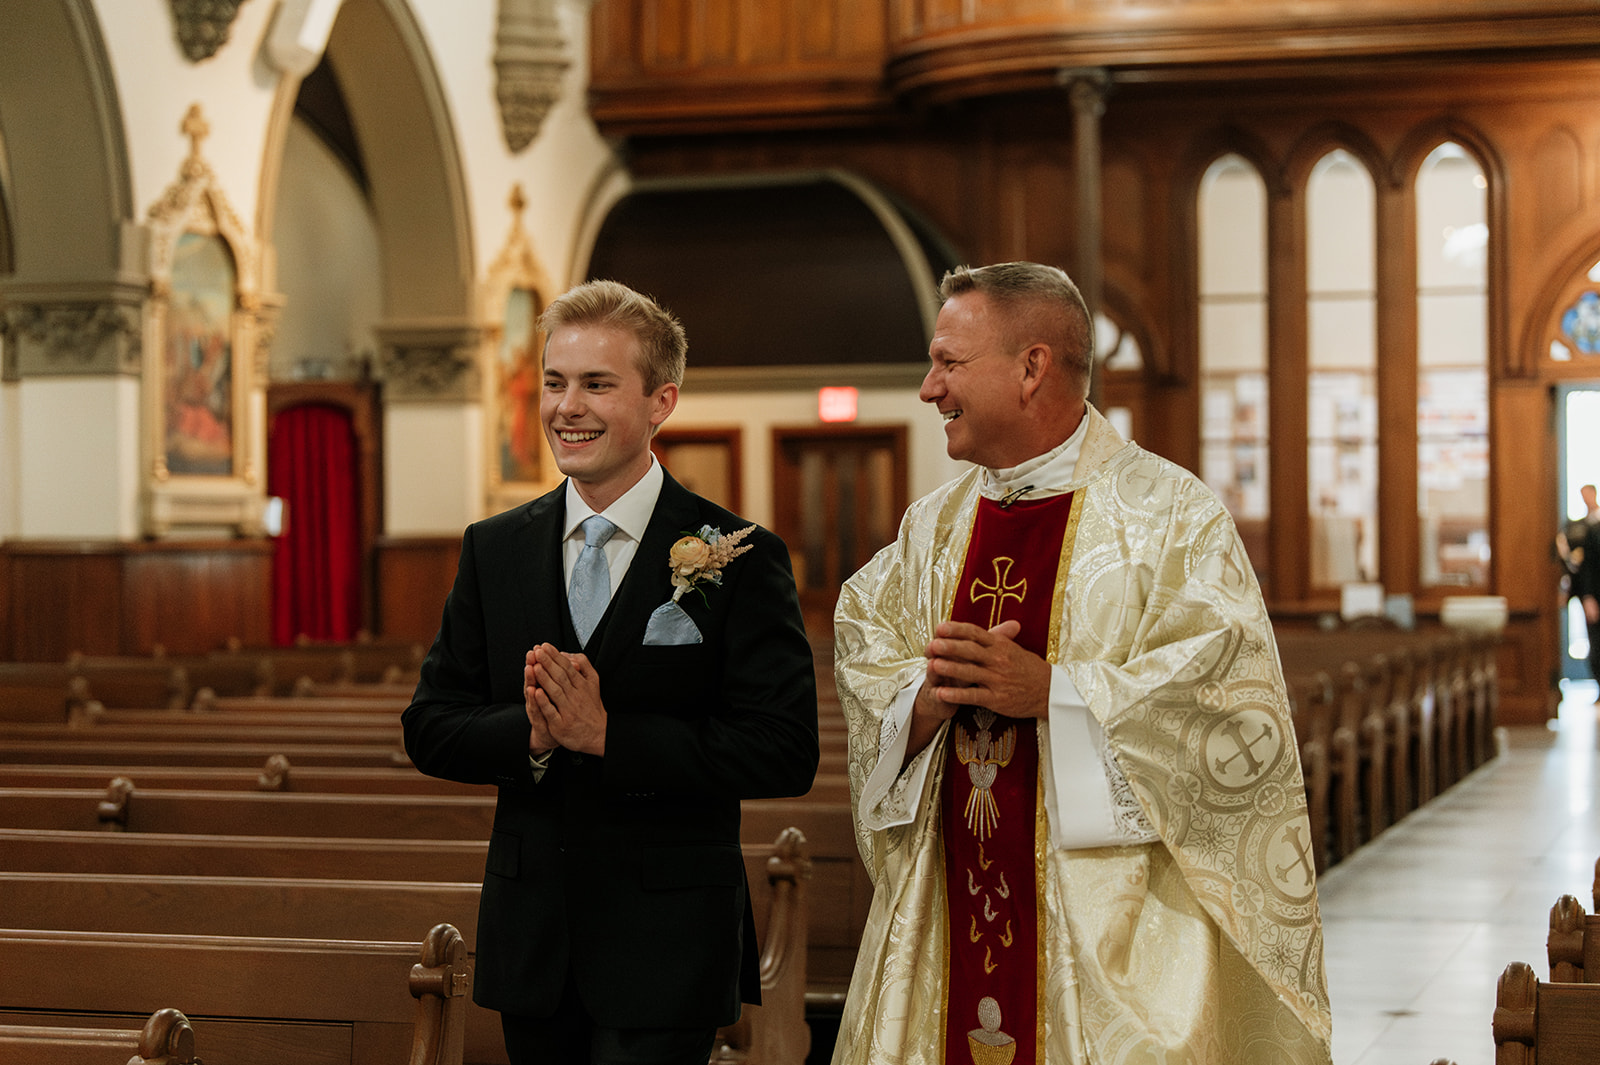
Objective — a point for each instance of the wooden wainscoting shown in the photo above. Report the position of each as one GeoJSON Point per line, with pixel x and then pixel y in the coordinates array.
{"type": "Point", "coordinates": [103, 597]}
{"type": "Point", "coordinates": [414, 576]}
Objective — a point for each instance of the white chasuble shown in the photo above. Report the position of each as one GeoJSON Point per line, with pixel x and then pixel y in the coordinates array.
{"type": "Point", "coordinates": [1202, 946]}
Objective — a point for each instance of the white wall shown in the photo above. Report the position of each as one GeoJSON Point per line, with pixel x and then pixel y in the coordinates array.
{"type": "Point", "coordinates": [77, 476]}
{"type": "Point", "coordinates": [328, 261]}
{"type": "Point", "coordinates": [10, 456]}
{"type": "Point", "coordinates": [433, 472]}
{"type": "Point", "coordinates": [556, 171]}
{"type": "Point", "coordinates": [156, 83]}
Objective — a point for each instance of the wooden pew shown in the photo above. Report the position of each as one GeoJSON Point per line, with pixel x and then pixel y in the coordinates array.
{"type": "Point", "coordinates": [837, 876]}
{"type": "Point", "coordinates": [94, 750]}
{"type": "Point", "coordinates": [234, 906]}
{"type": "Point", "coordinates": [1573, 946]}
{"type": "Point", "coordinates": [776, 1032]}
{"type": "Point", "coordinates": [165, 1039]}
{"type": "Point", "coordinates": [230, 907]}
{"type": "Point", "coordinates": [197, 728]}
{"type": "Point", "coordinates": [259, 1000]}
{"type": "Point", "coordinates": [277, 774]}
{"type": "Point", "coordinates": [1551, 1023]}
{"type": "Point", "coordinates": [125, 807]}
{"type": "Point", "coordinates": [32, 850]}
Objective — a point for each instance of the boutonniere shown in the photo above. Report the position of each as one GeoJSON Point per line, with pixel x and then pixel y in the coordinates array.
{"type": "Point", "coordinates": [697, 558]}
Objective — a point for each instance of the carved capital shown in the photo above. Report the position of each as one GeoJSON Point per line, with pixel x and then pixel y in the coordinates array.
{"type": "Point", "coordinates": [438, 363]}
{"type": "Point", "coordinates": [1087, 88]}
{"type": "Point", "coordinates": [58, 338]}
{"type": "Point", "coordinates": [530, 59]}
{"type": "Point", "coordinates": [203, 25]}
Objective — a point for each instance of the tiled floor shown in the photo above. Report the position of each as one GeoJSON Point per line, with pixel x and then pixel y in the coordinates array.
{"type": "Point", "coordinates": [1419, 923]}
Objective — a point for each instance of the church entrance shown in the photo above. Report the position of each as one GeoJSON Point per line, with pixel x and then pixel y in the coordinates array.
{"type": "Point", "coordinates": [1578, 443]}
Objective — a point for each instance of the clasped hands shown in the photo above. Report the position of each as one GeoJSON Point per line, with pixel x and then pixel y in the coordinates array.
{"type": "Point", "coordinates": [562, 697]}
{"type": "Point", "coordinates": [969, 665]}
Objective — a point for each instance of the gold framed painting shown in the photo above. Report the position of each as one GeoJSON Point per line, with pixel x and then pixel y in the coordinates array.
{"type": "Point", "coordinates": [203, 387]}
{"type": "Point", "coordinates": [515, 292]}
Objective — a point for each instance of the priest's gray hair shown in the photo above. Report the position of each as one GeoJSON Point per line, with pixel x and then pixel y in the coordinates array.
{"type": "Point", "coordinates": [1044, 304]}
{"type": "Point", "coordinates": [663, 344]}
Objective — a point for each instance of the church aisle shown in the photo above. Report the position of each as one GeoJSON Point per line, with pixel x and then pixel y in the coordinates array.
{"type": "Point", "coordinates": [1420, 923]}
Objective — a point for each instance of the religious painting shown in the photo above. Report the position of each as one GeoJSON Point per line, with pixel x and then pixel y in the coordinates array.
{"type": "Point", "coordinates": [204, 447]}
{"type": "Point", "coordinates": [518, 444]}
{"type": "Point", "coordinates": [199, 358]}
{"type": "Point", "coordinates": [514, 294]}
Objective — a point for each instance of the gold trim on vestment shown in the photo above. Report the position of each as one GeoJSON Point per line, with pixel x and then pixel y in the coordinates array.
{"type": "Point", "coordinates": [1068, 539]}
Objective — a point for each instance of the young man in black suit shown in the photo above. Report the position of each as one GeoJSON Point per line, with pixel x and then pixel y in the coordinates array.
{"type": "Point", "coordinates": [615, 922]}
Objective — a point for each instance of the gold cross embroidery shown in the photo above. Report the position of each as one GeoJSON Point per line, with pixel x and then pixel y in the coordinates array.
{"type": "Point", "coordinates": [999, 591]}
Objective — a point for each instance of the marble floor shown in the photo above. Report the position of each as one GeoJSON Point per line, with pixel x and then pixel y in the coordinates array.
{"type": "Point", "coordinates": [1419, 923]}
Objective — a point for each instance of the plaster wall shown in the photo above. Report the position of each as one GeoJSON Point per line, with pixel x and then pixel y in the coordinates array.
{"type": "Point", "coordinates": [433, 468]}
{"type": "Point", "coordinates": [78, 478]}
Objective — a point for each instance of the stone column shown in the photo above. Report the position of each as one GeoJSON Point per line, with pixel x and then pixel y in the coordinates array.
{"type": "Point", "coordinates": [1087, 88]}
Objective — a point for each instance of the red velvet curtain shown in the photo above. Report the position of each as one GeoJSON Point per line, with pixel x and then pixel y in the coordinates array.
{"type": "Point", "coordinates": [316, 563]}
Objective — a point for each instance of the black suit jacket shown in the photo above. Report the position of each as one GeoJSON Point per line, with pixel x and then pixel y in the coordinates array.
{"type": "Point", "coordinates": [625, 870]}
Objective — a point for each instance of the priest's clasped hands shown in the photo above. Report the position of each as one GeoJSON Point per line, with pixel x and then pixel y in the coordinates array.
{"type": "Point", "coordinates": [562, 696]}
{"type": "Point", "coordinates": [969, 665]}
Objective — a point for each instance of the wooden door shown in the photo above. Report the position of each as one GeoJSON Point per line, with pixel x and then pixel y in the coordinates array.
{"type": "Point", "coordinates": [839, 493]}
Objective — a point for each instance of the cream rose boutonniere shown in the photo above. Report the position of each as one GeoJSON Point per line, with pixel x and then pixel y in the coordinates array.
{"type": "Point", "coordinates": [697, 558]}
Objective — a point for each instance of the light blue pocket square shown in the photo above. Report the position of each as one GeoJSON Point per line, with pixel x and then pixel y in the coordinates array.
{"type": "Point", "coordinates": [669, 626]}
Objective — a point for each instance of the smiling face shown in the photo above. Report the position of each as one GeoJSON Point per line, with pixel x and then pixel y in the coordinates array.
{"type": "Point", "coordinates": [976, 382]}
{"type": "Point", "coordinates": [596, 413]}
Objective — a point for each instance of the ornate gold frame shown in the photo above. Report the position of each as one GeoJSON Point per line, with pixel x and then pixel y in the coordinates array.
{"type": "Point", "coordinates": [515, 268]}
{"type": "Point", "coordinates": [195, 204]}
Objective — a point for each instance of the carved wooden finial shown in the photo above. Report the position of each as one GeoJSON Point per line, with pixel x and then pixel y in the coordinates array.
{"type": "Point", "coordinates": [518, 201]}
{"type": "Point", "coordinates": [196, 128]}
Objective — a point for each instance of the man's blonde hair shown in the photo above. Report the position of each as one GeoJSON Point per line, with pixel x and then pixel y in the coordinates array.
{"type": "Point", "coordinates": [663, 345]}
{"type": "Point", "coordinates": [1044, 305]}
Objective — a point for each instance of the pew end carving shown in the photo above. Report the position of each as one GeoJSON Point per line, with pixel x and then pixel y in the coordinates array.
{"type": "Point", "coordinates": [112, 811]}
{"type": "Point", "coordinates": [442, 985]}
{"type": "Point", "coordinates": [167, 1039]}
{"type": "Point", "coordinates": [275, 774]}
{"type": "Point", "coordinates": [1545, 1023]}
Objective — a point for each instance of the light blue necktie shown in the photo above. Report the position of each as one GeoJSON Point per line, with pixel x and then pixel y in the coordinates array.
{"type": "Point", "coordinates": [590, 590]}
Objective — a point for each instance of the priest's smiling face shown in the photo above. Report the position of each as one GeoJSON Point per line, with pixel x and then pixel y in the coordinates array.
{"type": "Point", "coordinates": [976, 382]}
{"type": "Point", "coordinates": [596, 413]}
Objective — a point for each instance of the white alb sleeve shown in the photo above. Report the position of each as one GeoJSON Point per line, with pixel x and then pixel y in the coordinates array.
{"type": "Point", "coordinates": [1089, 801]}
{"type": "Point", "coordinates": [889, 797]}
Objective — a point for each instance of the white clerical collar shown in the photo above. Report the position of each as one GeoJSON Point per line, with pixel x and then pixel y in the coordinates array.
{"type": "Point", "coordinates": [1042, 475]}
{"type": "Point", "coordinates": [631, 511]}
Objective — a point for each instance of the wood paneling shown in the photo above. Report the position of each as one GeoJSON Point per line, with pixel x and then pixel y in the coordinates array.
{"type": "Point", "coordinates": [681, 63]}
{"type": "Point", "coordinates": [995, 176]}
{"type": "Point", "coordinates": [677, 65]}
{"type": "Point", "coordinates": [415, 575]}
{"type": "Point", "coordinates": [128, 598]}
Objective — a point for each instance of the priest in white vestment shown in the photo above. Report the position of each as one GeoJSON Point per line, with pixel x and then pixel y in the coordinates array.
{"type": "Point", "coordinates": [1072, 764]}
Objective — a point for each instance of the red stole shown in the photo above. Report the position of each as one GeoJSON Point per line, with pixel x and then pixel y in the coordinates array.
{"type": "Point", "coordinates": [990, 794]}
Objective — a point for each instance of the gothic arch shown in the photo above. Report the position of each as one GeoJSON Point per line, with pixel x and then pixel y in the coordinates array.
{"type": "Point", "coordinates": [69, 189]}
{"type": "Point", "coordinates": [413, 161]}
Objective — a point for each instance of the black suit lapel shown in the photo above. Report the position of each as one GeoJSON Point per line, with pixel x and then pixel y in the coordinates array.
{"type": "Point", "coordinates": [648, 583]}
{"type": "Point", "coordinates": [536, 568]}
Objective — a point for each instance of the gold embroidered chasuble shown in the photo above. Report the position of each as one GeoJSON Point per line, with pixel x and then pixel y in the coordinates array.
{"type": "Point", "coordinates": [1203, 948]}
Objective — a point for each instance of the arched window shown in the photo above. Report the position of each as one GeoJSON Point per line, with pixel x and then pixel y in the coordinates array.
{"type": "Point", "coordinates": [1342, 459]}
{"type": "Point", "coordinates": [1452, 369]}
{"type": "Point", "coordinates": [1233, 346]}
